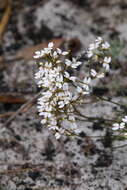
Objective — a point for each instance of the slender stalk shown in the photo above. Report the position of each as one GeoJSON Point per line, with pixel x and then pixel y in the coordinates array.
{"type": "Point", "coordinates": [107, 100]}
{"type": "Point", "coordinates": [122, 146]}
{"type": "Point", "coordinates": [93, 118]}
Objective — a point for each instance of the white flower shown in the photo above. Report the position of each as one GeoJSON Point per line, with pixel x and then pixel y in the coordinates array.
{"type": "Point", "coordinates": [115, 126]}
{"type": "Point", "coordinates": [86, 92]}
{"type": "Point", "coordinates": [66, 75]}
{"type": "Point", "coordinates": [68, 62]}
{"type": "Point", "coordinates": [59, 51]}
{"type": "Point", "coordinates": [71, 118]}
{"type": "Point", "coordinates": [106, 45]}
{"type": "Point", "coordinates": [107, 60]}
{"type": "Point", "coordinates": [106, 66]}
{"type": "Point", "coordinates": [65, 53]}
{"type": "Point", "coordinates": [92, 46]}
{"type": "Point", "coordinates": [86, 81]}
{"type": "Point", "coordinates": [79, 89]}
{"type": "Point", "coordinates": [89, 54]}
{"type": "Point", "coordinates": [65, 86]}
{"type": "Point", "coordinates": [99, 40]}
{"type": "Point", "coordinates": [37, 55]}
{"type": "Point", "coordinates": [100, 75]}
{"type": "Point", "coordinates": [93, 73]}
{"type": "Point", "coordinates": [61, 104]}
{"type": "Point", "coordinates": [53, 128]}
{"type": "Point", "coordinates": [77, 131]}
{"type": "Point", "coordinates": [73, 78]}
{"type": "Point", "coordinates": [122, 125]}
{"type": "Point", "coordinates": [124, 119]}
{"type": "Point", "coordinates": [55, 55]}
{"type": "Point", "coordinates": [73, 126]}
{"type": "Point", "coordinates": [43, 121]}
{"type": "Point", "coordinates": [50, 45]}
{"type": "Point", "coordinates": [57, 135]}
{"type": "Point", "coordinates": [75, 63]}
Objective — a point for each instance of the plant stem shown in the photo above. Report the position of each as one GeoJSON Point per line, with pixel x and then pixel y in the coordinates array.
{"type": "Point", "coordinates": [107, 100]}
{"type": "Point", "coordinates": [93, 118]}
{"type": "Point", "coordinates": [115, 147]}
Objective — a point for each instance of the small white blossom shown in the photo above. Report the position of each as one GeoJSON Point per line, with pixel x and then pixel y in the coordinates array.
{"type": "Point", "coordinates": [106, 66]}
{"type": "Point", "coordinates": [65, 86]}
{"type": "Point", "coordinates": [37, 54]}
{"type": "Point", "coordinates": [75, 63]}
{"type": "Point", "coordinates": [59, 51]}
{"type": "Point", "coordinates": [43, 121]}
{"type": "Point", "coordinates": [93, 73]}
{"type": "Point", "coordinates": [115, 126]}
{"type": "Point", "coordinates": [65, 53]}
{"type": "Point", "coordinates": [107, 60]}
{"type": "Point", "coordinates": [73, 79]}
{"type": "Point", "coordinates": [77, 131]}
{"type": "Point", "coordinates": [86, 81]}
{"type": "Point", "coordinates": [106, 45]}
{"type": "Point", "coordinates": [53, 128]}
{"type": "Point", "coordinates": [97, 52]}
{"type": "Point", "coordinates": [68, 62]}
{"type": "Point", "coordinates": [121, 125]}
{"type": "Point", "coordinates": [99, 40]}
{"type": "Point", "coordinates": [50, 45]}
{"type": "Point", "coordinates": [100, 75]}
{"type": "Point", "coordinates": [57, 135]}
{"type": "Point", "coordinates": [93, 46]}
{"type": "Point", "coordinates": [124, 119]}
{"type": "Point", "coordinates": [89, 54]}
{"type": "Point", "coordinates": [79, 89]}
{"type": "Point", "coordinates": [66, 75]}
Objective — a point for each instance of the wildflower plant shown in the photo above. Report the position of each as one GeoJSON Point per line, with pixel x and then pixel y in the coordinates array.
{"type": "Point", "coordinates": [62, 92]}
{"type": "Point", "coordinates": [121, 126]}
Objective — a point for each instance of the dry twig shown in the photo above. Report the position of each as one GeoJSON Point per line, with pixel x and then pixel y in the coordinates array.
{"type": "Point", "coordinates": [5, 18]}
{"type": "Point", "coordinates": [9, 98]}
{"type": "Point", "coordinates": [25, 107]}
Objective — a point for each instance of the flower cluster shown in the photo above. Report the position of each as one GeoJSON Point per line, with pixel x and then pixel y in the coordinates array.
{"type": "Point", "coordinates": [98, 53]}
{"type": "Point", "coordinates": [62, 92]}
{"type": "Point", "coordinates": [121, 125]}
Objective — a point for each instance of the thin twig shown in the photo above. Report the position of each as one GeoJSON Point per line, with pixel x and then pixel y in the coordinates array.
{"type": "Point", "coordinates": [22, 170]}
{"type": "Point", "coordinates": [4, 115]}
{"type": "Point", "coordinates": [5, 19]}
{"type": "Point", "coordinates": [23, 107]}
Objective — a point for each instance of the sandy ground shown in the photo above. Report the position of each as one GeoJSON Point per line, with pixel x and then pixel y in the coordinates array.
{"type": "Point", "coordinates": [83, 163]}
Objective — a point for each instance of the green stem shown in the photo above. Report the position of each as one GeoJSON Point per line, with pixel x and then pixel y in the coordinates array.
{"type": "Point", "coordinates": [122, 146]}
{"type": "Point", "coordinates": [107, 100]}
{"type": "Point", "coordinates": [93, 118]}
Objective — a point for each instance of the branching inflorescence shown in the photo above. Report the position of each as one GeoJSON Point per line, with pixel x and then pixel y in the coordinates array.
{"type": "Point", "coordinates": [121, 125]}
{"type": "Point", "coordinates": [63, 92]}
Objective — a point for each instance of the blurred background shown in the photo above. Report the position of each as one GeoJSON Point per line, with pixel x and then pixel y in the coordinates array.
{"type": "Point", "coordinates": [30, 157]}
